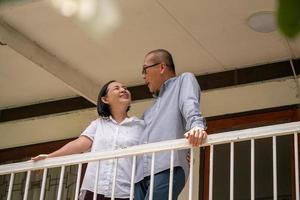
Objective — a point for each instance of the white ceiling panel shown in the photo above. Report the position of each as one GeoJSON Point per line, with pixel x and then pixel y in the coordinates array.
{"type": "Point", "coordinates": [220, 27]}
{"type": "Point", "coordinates": [122, 50]}
{"type": "Point", "coordinates": [22, 82]}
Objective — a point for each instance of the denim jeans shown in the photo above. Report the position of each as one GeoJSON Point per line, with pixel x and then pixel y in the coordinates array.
{"type": "Point", "coordinates": [90, 196]}
{"type": "Point", "coordinates": [161, 185]}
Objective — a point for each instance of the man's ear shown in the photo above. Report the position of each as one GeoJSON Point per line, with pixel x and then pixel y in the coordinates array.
{"type": "Point", "coordinates": [163, 67]}
{"type": "Point", "coordinates": [104, 100]}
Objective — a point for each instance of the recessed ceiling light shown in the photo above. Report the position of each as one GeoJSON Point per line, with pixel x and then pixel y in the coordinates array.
{"type": "Point", "coordinates": [263, 21]}
{"type": "Point", "coordinates": [2, 43]}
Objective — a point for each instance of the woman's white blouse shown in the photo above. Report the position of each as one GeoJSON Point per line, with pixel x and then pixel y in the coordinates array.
{"type": "Point", "coordinates": [106, 135]}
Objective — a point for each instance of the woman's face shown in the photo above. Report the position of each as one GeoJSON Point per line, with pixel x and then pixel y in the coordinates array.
{"type": "Point", "coordinates": [117, 94]}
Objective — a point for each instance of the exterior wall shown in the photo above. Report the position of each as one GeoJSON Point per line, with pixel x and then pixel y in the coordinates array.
{"type": "Point", "coordinates": [216, 102]}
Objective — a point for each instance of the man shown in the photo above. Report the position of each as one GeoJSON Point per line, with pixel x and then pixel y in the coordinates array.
{"type": "Point", "coordinates": [175, 110]}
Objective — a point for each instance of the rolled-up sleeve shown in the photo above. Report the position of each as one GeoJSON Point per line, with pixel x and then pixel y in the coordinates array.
{"type": "Point", "coordinates": [189, 102]}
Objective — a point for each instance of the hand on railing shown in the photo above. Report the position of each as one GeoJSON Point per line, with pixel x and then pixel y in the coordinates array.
{"type": "Point", "coordinates": [196, 136]}
{"type": "Point", "coordinates": [37, 158]}
{"type": "Point", "coordinates": [188, 158]}
{"type": "Point", "coordinates": [40, 157]}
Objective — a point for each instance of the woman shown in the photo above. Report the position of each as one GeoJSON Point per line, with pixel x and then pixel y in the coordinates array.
{"type": "Point", "coordinates": [112, 130]}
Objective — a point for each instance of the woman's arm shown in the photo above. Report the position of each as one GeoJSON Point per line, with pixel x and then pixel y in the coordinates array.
{"type": "Point", "coordinates": [79, 145]}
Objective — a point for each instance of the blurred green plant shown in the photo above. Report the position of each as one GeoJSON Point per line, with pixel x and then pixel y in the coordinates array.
{"type": "Point", "coordinates": [288, 17]}
{"type": "Point", "coordinates": [8, 1]}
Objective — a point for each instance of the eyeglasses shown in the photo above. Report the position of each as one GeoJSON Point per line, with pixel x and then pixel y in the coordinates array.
{"type": "Point", "coordinates": [144, 71]}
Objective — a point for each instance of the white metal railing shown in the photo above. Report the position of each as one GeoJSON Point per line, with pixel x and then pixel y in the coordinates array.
{"type": "Point", "coordinates": [172, 145]}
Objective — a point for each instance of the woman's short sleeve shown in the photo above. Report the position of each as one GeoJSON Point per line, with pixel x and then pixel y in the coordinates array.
{"type": "Point", "coordinates": [90, 131]}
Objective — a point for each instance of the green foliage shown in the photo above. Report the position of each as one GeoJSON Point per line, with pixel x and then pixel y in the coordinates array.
{"type": "Point", "coordinates": [288, 17]}
{"type": "Point", "coordinates": [7, 1]}
{"type": "Point", "coordinates": [10, 2]}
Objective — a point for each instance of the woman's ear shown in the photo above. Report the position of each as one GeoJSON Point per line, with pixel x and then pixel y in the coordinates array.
{"type": "Point", "coordinates": [104, 100]}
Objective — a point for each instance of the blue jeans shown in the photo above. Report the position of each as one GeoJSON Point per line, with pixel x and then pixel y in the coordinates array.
{"type": "Point", "coordinates": [161, 185]}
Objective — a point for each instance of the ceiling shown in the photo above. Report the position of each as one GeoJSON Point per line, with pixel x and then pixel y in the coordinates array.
{"type": "Point", "coordinates": [204, 36]}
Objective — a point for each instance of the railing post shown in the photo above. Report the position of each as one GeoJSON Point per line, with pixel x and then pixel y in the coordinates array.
{"type": "Point", "coordinates": [114, 179]}
{"type": "Point", "coordinates": [171, 175]}
{"type": "Point", "coordinates": [274, 168]}
{"type": "Point", "coordinates": [211, 167]}
{"type": "Point", "coordinates": [61, 180]}
{"type": "Point", "coordinates": [96, 180]}
{"type": "Point", "coordinates": [43, 184]}
{"type": "Point", "coordinates": [191, 173]}
{"type": "Point", "coordinates": [78, 181]}
{"type": "Point", "coordinates": [152, 177]}
{"type": "Point", "coordinates": [132, 177]}
{"type": "Point", "coordinates": [296, 165]}
{"type": "Point", "coordinates": [27, 185]}
{"type": "Point", "coordinates": [252, 169]}
{"type": "Point", "coordinates": [11, 183]}
{"type": "Point", "coordinates": [231, 170]}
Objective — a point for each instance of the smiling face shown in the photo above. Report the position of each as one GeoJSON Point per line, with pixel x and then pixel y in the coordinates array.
{"type": "Point", "coordinates": [117, 95]}
{"type": "Point", "coordinates": [152, 73]}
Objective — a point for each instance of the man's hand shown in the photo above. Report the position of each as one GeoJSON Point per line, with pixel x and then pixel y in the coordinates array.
{"type": "Point", "coordinates": [196, 136]}
{"type": "Point", "coordinates": [40, 157]}
{"type": "Point", "coordinates": [188, 157]}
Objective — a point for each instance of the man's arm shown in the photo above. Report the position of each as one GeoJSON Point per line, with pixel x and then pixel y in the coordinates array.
{"type": "Point", "coordinates": [189, 101]}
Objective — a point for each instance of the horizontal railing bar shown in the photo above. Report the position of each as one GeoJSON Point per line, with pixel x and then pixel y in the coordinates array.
{"type": "Point", "coordinates": [89, 157]}
{"type": "Point", "coordinates": [213, 139]}
{"type": "Point", "coordinates": [253, 133]}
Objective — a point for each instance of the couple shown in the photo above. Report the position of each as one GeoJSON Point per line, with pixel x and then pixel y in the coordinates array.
{"type": "Point", "coordinates": [174, 114]}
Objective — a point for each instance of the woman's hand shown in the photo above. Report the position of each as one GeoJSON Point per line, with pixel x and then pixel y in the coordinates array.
{"type": "Point", "coordinates": [40, 157]}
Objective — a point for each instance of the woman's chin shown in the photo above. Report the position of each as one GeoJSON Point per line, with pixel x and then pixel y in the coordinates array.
{"type": "Point", "coordinates": [125, 101]}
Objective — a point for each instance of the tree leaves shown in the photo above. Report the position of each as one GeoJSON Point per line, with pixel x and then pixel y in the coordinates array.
{"type": "Point", "coordinates": [288, 17]}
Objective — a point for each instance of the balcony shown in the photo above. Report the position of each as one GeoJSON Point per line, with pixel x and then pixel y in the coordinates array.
{"type": "Point", "coordinates": [195, 188]}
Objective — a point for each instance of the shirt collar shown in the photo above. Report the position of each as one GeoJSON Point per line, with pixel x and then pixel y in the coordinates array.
{"type": "Point", "coordinates": [125, 121]}
{"type": "Point", "coordinates": [164, 86]}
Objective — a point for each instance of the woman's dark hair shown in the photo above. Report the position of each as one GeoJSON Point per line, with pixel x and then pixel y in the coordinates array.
{"type": "Point", "coordinates": [103, 109]}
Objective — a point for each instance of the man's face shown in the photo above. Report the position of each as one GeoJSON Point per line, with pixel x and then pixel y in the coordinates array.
{"type": "Point", "coordinates": [151, 73]}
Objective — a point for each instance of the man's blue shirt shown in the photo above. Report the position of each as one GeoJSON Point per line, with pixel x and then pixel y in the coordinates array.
{"type": "Point", "coordinates": [176, 110]}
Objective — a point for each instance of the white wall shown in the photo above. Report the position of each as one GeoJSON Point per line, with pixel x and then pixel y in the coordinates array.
{"type": "Point", "coordinates": [214, 102]}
